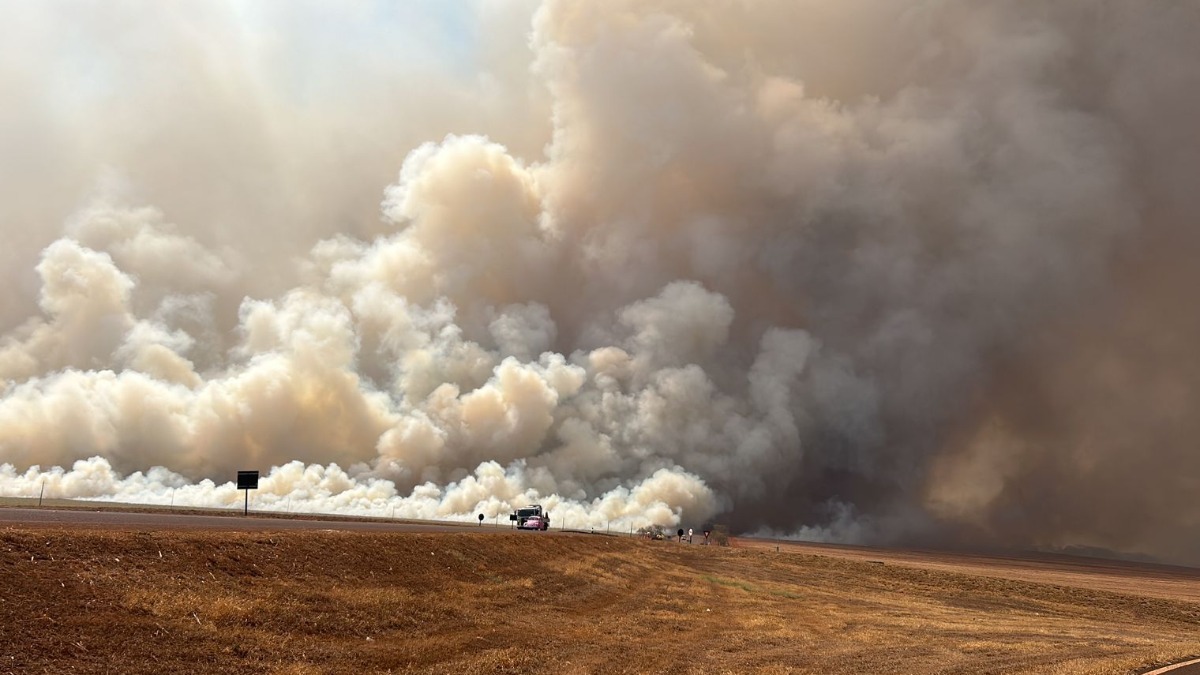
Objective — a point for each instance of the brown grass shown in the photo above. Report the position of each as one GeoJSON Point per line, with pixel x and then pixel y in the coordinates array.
{"type": "Point", "coordinates": [104, 601]}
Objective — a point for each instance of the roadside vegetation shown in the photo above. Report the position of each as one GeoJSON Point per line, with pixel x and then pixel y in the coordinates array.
{"type": "Point", "coordinates": [108, 601]}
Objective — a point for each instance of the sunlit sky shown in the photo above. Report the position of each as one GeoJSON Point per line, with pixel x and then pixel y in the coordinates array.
{"type": "Point", "coordinates": [302, 48]}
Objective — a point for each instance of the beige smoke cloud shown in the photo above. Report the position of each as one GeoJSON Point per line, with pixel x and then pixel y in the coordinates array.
{"type": "Point", "coordinates": [862, 270]}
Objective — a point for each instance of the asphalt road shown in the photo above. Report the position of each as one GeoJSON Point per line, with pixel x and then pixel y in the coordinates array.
{"type": "Point", "coordinates": [111, 518]}
{"type": "Point", "coordinates": [1189, 667]}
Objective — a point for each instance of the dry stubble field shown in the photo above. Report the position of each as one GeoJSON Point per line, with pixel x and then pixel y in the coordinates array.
{"type": "Point", "coordinates": [111, 601]}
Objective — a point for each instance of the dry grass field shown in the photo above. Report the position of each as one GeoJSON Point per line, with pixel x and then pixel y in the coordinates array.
{"type": "Point", "coordinates": [113, 601]}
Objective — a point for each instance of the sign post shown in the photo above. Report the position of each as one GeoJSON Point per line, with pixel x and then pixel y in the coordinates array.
{"type": "Point", "coordinates": [247, 480]}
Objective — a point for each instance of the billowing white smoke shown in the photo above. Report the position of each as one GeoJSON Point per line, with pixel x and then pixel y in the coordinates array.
{"type": "Point", "coordinates": [782, 264]}
{"type": "Point", "coordinates": [367, 366]}
{"type": "Point", "coordinates": [295, 487]}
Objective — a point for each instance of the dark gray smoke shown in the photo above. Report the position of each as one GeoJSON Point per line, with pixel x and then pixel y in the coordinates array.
{"type": "Point", "coordinates": [863, 271]}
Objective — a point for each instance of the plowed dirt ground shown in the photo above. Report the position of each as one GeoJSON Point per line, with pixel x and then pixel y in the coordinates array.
{"type": "Point", "coordinates": [85, 600]}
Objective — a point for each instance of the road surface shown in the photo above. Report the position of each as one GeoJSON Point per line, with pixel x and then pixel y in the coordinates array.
{"type": "Point", "coordinates": [112, 518]}
{"type": "Point", "coordinates": [1189, 667]}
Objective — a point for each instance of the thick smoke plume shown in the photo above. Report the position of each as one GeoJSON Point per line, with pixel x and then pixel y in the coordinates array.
{"type": "Point", "coordinates": [863, 271]}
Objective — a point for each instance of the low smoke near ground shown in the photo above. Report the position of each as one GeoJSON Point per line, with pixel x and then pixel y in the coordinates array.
{"type": "Point", "coordinates": [857, 271]}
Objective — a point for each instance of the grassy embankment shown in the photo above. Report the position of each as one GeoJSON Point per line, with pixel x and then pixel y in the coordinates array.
{"type": "Point", "coordinates": [97, 601]}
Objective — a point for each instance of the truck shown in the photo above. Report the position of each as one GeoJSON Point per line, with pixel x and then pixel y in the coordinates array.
{"type": "Point", "coordinates": [532, 517]}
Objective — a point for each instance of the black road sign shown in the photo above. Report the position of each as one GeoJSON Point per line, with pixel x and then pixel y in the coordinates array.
{"type": "Point", "coordinates": [247, 480]}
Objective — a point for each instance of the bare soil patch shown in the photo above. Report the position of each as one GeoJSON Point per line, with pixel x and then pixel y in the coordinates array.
{"type": "Point", "coordinates": [109, 601]}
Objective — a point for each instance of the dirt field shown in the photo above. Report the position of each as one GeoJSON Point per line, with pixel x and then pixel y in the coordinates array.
{"type": "Point", "coordinates": [109, 601]}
